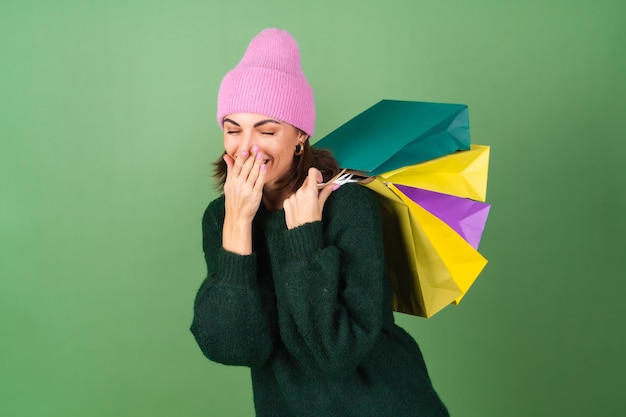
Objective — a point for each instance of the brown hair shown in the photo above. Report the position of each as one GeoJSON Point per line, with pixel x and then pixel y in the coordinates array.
{"type": "Point", "coordinates": [321, 159]}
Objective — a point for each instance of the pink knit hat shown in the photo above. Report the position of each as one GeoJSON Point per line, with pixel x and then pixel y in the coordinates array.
{"type": "Point", "coordinates": [269, 81]}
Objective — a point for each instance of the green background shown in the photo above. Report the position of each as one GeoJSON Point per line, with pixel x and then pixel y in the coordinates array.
{"type": "Point", "coordinates": [107, 133]}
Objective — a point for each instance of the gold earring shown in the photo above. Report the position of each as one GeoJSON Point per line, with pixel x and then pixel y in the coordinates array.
{"type": "Point", "coordinates": [299, 149]}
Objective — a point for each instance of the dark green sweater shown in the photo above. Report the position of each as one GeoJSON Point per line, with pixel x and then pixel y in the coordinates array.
{"type": "Point", "coordinates": [310, 313]}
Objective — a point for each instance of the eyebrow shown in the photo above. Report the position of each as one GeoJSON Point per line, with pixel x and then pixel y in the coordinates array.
{"type": "Point", "coordinates": [257, 124]}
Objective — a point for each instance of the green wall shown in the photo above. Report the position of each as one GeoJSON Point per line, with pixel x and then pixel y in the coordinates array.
{"type": "Point", "coordinates": [107, 131]}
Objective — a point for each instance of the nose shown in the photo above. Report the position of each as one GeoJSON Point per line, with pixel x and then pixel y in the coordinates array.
{"type": "Point", "coordinates": [247, 142]}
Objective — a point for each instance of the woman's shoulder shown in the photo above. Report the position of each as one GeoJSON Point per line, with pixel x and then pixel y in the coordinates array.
{"type": "Point", "coordinates": [214, 210]}
{"type": "Point", "coordinates": [353, 190]}
{"type": "Point", "coordinates": [216, 203]}
{"type": "Point", "coordinates": [353, 211]}
{"type": "Point", "coordinates": [353, 196]}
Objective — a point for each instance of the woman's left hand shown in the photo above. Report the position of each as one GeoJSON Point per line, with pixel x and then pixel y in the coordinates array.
{"type": "Point", "coordinates": [306, 204]}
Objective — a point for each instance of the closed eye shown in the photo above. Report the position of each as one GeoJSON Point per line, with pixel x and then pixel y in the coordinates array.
{"type": "Point", "coordinates": [268, 133]}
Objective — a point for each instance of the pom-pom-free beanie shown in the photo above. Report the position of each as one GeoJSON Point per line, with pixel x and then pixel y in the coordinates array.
{"type": "Point", "coordinates": [269, 81]}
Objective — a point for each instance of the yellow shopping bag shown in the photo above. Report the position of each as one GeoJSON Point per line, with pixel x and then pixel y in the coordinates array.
{"type": "Point", "coordinates": [463, 174]}
{"type": "Point", "coordinates": [430, 266]}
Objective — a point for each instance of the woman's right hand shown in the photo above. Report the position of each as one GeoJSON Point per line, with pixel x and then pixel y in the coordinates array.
{"type": "Point", "coordinates": [243, 190]}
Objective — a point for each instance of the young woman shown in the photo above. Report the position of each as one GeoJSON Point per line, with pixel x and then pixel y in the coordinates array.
{"type": "Point", "coordinates": [296, 286]}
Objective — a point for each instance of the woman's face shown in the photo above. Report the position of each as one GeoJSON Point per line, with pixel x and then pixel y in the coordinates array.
{"type": "Point", "coordinates": [276, 141]}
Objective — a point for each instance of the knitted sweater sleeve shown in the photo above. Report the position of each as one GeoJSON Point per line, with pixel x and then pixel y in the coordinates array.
{"type": "Point", "coordinates": [330, 288]}
{"type": "Point", "coordinates": [233, 322]}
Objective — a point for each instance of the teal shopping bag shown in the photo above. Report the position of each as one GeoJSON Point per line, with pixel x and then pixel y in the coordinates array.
{"type": "Point", "coordinates": [395, 133]}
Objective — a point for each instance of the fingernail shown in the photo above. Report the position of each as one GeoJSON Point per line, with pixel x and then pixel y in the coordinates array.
{"type": "Point", "coordinates": [259, 155]}
{"type": "Point", "coordinates": [263, 167]}
{"type": "Point", "coordinates": [244, 153]}
{"type": "Point", "coordinates": [336, 187]}
{"type": "Point", "coordinates": [255, 148]}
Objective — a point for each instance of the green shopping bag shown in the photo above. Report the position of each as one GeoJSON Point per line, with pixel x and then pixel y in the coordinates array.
{"type": "Point", "coordinates": [395, 133]}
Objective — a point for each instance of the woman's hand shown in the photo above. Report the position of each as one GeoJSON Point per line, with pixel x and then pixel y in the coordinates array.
{"type": "Point", "coordinates": [307, 204]}
{"type": "Point", "coordinates": [243, 190]}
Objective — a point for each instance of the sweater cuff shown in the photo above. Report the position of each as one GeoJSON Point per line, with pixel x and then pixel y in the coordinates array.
{"type": "Point", "coordinates": [303, 240]}
{"type": "Point", "coordinates": [236, 270]}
